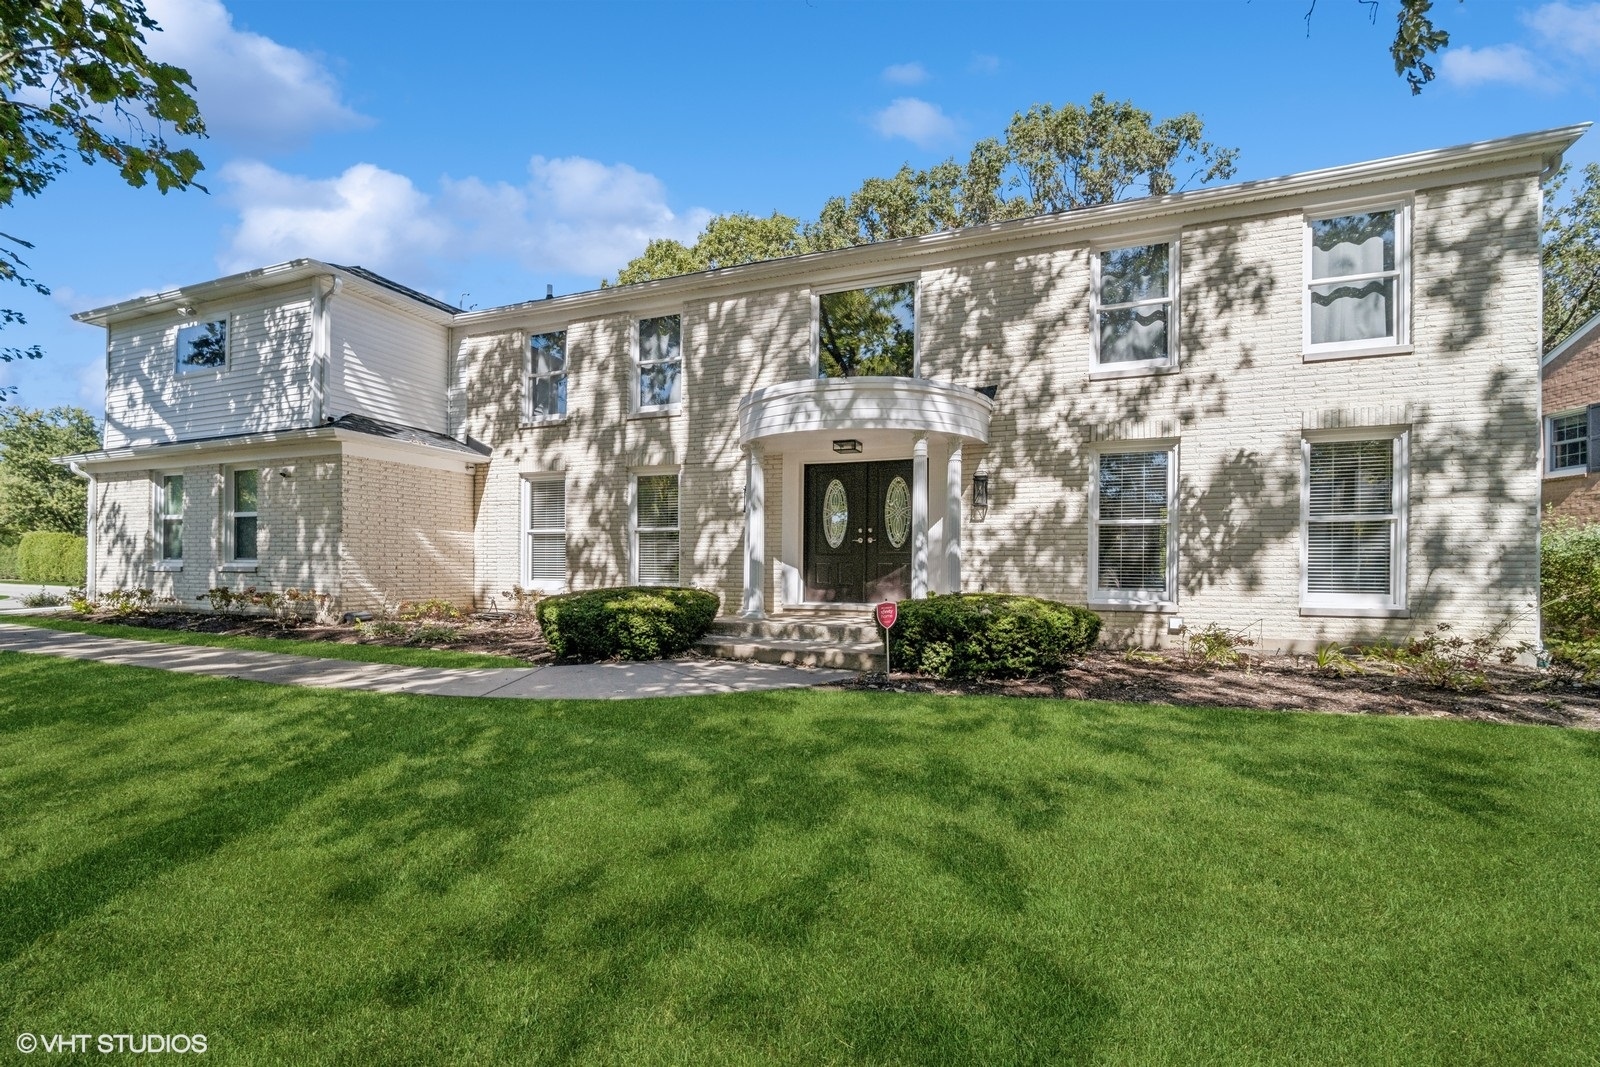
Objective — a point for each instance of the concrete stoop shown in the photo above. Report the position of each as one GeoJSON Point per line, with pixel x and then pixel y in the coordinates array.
{"type": "Point", "coordinates": [810, 640]}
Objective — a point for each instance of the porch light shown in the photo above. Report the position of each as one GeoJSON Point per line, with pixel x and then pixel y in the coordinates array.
{"type": "Point", "coordinates": [849, 446]}
{"type": "Point", "coordinates": [980, 489]}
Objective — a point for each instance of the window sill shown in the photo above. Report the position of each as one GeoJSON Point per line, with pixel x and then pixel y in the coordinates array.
{"type": "Point", "coordinates": [240, 565]}
{"type": "Point", "coordinates": [1329, 611]}
{"type": "Point", "coordinates": [1316, 355]}
{"type": "Point", "coordinates": [1151, 607]}
{"type": "Point", "coordinates": [657, 413]}
{"type": "Point", "coordinates": [169, 565]}
{"type": "Point", "coordinates": [1566, 472]}
{"type": "Point", "coordinates": [1137, 370]}
{"type": "Point", "coordinates": [534, 424]}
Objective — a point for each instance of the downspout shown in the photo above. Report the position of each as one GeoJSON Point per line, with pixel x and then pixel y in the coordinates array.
{"type": "Point", "coordinates": [89, 536]}
{"type": "Point", "coordinates": [321, 350]}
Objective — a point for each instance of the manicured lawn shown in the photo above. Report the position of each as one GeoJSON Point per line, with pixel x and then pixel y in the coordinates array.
{"type": "Point", "coordinates": [808, 877]}
{"type": "Point", "coordinates": [413, 657]}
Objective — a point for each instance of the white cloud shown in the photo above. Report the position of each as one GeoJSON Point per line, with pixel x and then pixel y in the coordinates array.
{"type": "Point", "coordinates": [916, 120]}
{"type": "Point", "coordinates": [1564, 42]}
{"type": "Point", "coordinates": [983, 63]}
{"type": "Point", "coordinates": [1572, 29]}
{"type": "Point", "coordinates": [1506, 64]}
{"type": "Point", "coordinates": [905, 74]}
{"type": "Point", "coordinates": [251, 89]}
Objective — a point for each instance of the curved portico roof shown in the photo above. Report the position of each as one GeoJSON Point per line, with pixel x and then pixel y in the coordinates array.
{"type": "Point", "coordinates": [846, 405]}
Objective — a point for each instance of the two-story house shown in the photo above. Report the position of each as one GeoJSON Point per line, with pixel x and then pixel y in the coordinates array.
{"type": "Point", "coordinates": [1307, 407]}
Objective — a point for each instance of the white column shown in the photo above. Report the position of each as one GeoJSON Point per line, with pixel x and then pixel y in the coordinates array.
{"type": "Point", "coordinates": [755, 534]}
{"type": "Point", "coordinates": [952, 518]}
{"type": "Point", "coordinates": [919, 518]}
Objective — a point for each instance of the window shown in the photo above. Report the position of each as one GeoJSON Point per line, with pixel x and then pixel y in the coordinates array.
{"type": "Point", "coordinates": [169, 517]}
{"type": "Point", "coordinates": [1131, 554]}
{"type": "Point", "coordinates": [544, 513]}
{"type": "Point", "coordinates": [660, 362]}
{"type": "Point", "coordinates": [546, 395]}
{"type": "Point", "coordinates": [1356, 282]}
{"type": "Point", "coordinates": [869, 331]}
{"type": "Point", "coordinates": [1567, 443]}
{"type": "Point", "coordinates": [1354, 523]}
{"type": "Point", "coordinates": [656, 529]}
{"type": "Point", "coordinates": [203, 346]}
{"type": "Point", "coordinates": [243, 497]}
{"type": "Point", "coordinates": [1134, 321]}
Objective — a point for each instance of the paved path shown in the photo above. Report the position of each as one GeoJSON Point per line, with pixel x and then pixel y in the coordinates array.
{"type": "Point", "coordinates": [13, 592]}
{"type": "Point", "coordinates": [588, 681]}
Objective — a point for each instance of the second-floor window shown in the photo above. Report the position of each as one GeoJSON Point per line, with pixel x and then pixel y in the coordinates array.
{"type": "Point", "coordinates": [244, 488]}
{"type": "Point", "coordinates": [868, 332]}
{"type": "Point", "coordinates": [547, 377]}
{"type": "Point", "coordinates": [169, 516]}
{"type": "Point", "coordinates": [660, 363]}
{"type": "Point", "coordinates": [1134, 320]}
{"type": "Point", "coordinates": [203, 346]}
{"type": "Point", "coordinates": [1356, 282]}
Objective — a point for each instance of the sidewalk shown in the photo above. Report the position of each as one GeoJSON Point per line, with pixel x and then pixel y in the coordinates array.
{"type": "Point", "coordinates": [13, 592]}
{"type": "Point", "coordinates": [587, 681]}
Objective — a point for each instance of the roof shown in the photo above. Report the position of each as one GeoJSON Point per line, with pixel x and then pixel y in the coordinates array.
{"type": "Point", "coordinates": [407, 434]}
{"type": "Point", "coordinates": [403, 290]}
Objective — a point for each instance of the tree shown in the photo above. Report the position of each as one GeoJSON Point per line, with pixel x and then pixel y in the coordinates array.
{"type": "Point", "coordinates": [74, 80]}
{"type": "Point", "coordinates": [726, 241]}
{"type": "Point", "coordinates": [1415, 39]}
{"type": "Point", "coordinates": [36, 494]}
{"type": "Point", "coordinates": [1571, 255]}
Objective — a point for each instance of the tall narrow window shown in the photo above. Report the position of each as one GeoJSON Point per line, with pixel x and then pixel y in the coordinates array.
{"type": "Point", "coordinates": [1567, 447]}
{"type": "Point", "coordinates": [545, 517]}
{"type": "Point", "coordinates": [243, 499]}
{"type": "Point", "coordinates": [169, 516]}
{"type": "Point", "coordinates": [660, 362]}
{"type": "Point", "coordinates": [203, 346]}
{"type": "Point", "coordinates": [656, 529]}
{"type": "Point", "coordinates": [1133, 316]}
{"type": "Point", "coordinates": [547, 376]}
{"type": "Point", "coordinates": [1355, 284]}
{"type": "Point", "coordinates": [1354, 552]}
{"type": "Point", "coordinates": [868, 332]}
{"type": "Point", "coordinates": [1131, 543]}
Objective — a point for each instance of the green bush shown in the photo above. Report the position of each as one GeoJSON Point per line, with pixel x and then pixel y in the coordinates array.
{"type": "Point", "coordinates": [8, 563]}
{"type": "Point", "coordinates": [989, 635]}
{"type": "Point", "coordinates": [1569, 580]}
{"type": "Point", "coordinates": [627, 623]}
{"type": "Point", "coordinates": [56, 558]}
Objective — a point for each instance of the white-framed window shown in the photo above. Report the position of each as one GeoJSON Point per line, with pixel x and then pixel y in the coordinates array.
{"type": "Point", "coordinates": [658, 363]}
{"type": "Point", "coordinates": [1133, 558]}
{"type": "Point", "coordinates": [203, 346]}
{"type": "Point", "coordinates": [1134, 294]}
{"type": "Point", "coordinates": [655, 529]}
{"type": "Point", "coordinates": [545, 394]}
{"type": "Point", "coordinates": [1357, 281]}
{"type": "Point", "coordinates": [868, 332]}
{"type": "Point", "coordinates": [242, 515]}
{"type": "Point", "coordinates": [169, 519]}
{"type": "Point", "coordinates": [1354, 511]}
{"type": "Point", "coordinates": [1566, 443]}
{"type": "Point", "coordinates": [544, 524]}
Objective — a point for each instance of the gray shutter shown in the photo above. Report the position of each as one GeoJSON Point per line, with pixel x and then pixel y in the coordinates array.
{"type": "Point", "coordinates": [1594, 439]}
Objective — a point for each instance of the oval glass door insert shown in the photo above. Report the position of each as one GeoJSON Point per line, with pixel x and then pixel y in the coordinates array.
{"type": "Point", "coordinates": [897, 512]}
{"type": "Point", "coordinates": [835, 513]}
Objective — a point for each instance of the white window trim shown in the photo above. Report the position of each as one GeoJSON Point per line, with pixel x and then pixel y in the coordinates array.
{"type": "Point", "coordinates": [1134, 599]}
{"type": "Point", "coordinates": [633, 519]}
{"type": "Point", "coordinates": [1360, 605]}
{"type": "Point", "coordinates": [1400, 342]}
{"type": "Point", "coordinates": [1167, 362]}
{"type": "Point", "coordinates": [230, 561]}
{"type": "Point", "coordinates": [683, 363]}
{"type": "Point", "coordinates": [916, 318]}
{"type": "Point", "coordinates": [528, 529]}
{"type": "Point", "coordinates": [1550, 445]}
{"type": "Point", "coordinates": [529, 418]}
{"type": "Point", "coordinates": [159, 503]}
{"type": "Point", "coordinates": [183, 371]}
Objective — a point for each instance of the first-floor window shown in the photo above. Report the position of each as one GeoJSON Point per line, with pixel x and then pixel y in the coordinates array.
{"type": "Point", "coordinates": [1567, 446]}
{"type": "Point", "coordinates": [545, 520]}
{"type": "Point", "coordinates": [1355, 506]}
{"type": "Point", "coordinates": [1130, 545]}
{"type": "Point", "coordinates": [169, 516]}
{"type": "Point", "coordinates": [655, 535]}
{"type": "Point", "coordinates": [243, 494]}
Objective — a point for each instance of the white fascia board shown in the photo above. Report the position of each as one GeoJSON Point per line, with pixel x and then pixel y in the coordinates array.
{"type": "Point", "coordinates": [325, 440]}
{"type": "Point", "coordinates": [1576, 339]}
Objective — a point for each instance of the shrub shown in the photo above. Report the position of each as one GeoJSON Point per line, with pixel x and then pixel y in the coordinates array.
{"type": "Point", "coordinates": [58, 558]}
{"type": "Point", "coordinates": [1569, 579]}
{"type": "Point", "coordinates": [1218, 646]}
{"type": "Point", "coordinates": [42, 599]}
{"type": "Point", "coordinates": [8, 562]}
{"type": "Point", "coordinates": [435, 610]}
{"type": "Point", "coordinates": [990, 635]}
{"type": "Point", "coordinates": [627, 623]}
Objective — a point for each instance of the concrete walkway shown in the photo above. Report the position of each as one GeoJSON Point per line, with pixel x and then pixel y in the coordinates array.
{"type": "Point", "coordinates": [13, 592]}
{"type": "Point", "coordinates": [589, 681]}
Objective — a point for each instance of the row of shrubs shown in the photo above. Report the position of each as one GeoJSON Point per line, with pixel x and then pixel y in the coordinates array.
{"type": "Point", "coordinates": [47, 558]}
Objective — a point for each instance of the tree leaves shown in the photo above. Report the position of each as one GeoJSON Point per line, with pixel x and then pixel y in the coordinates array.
{"type": "Point", "coordinates": [1571, 249]}
{"type": "Point", "coordinates": [36, 493]}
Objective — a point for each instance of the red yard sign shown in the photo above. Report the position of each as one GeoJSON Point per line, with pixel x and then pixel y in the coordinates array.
{"type": "Point", "coordinates": [888, 613]}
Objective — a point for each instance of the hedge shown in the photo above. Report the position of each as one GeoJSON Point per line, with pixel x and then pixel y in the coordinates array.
{"type": "Point", "coordinates": [8, 562]}
{"type": "Point", "coordinates": [53, 558]}
{"type": "Point", "coordinates": [628, 623]}
{"type": "Point", "coordinates": [1569, 580]}
{"type": "Point", "coordinates": [989, 635]}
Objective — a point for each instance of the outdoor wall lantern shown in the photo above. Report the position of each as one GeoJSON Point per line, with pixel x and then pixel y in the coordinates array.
{"type": "Point", "coordinates": [848, 446]}
{"type": "Point", "coordinates": [980, 489]}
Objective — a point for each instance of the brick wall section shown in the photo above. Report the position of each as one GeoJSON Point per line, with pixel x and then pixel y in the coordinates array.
{"type": "Point", "coordinates": [1573, 381]}
{"type": "Point", "coordinates": [407, 535]}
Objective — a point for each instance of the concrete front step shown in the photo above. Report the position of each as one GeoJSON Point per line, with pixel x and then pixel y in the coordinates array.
{"type": "Point", "coordinates": [791, 628]}
{"type": "Point", "coordinates": [847, 655]}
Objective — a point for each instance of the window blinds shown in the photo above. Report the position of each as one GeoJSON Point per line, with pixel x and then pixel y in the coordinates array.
{"type": "Point", "coordinates": [657, 530]}
{"type": "Point", "coordinates": [1132, 517]}
{"type": "Point", "coordinates": [1350, 520]}
{"type": "Point", "coordinates": [547, 534]}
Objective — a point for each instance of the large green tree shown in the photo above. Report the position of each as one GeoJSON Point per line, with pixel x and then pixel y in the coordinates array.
{"type": "Point", "coordinates": [75, 82]}
{"type": "Point", "coordinates": [726, 241]}
{"type": "Point", "coordinates": [36, 494]}
{"type": "Point", "coordinates": [1571, 254]}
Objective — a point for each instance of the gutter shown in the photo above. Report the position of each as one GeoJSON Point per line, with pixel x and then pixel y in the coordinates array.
{"type": "Point", "coordinates": [89, 533]}
{"type": "Point", "coordinates": [322, 347]}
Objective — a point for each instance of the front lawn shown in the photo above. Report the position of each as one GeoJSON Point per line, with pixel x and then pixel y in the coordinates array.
{"type": "Point", "coordinates": [309, 876]}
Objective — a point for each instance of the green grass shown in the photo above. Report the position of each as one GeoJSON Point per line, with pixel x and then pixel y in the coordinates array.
{"type": "Point", "coordinates": [411, 657]}
{"type": "Point", "coordinates": [805, 877]}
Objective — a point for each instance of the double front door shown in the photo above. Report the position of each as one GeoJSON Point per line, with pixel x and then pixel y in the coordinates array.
{"type": "Point", "coordinates": [858, 532]}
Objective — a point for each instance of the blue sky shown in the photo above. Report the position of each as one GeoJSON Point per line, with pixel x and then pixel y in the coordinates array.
{"type": "Point", "coordinates": [488, 149]}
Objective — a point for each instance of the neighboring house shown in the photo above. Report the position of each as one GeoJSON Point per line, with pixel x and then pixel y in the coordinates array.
{"type": "Point", "coordinates": [1306, 407]}
{"type": "Point", "coordinates": [1571, 376]}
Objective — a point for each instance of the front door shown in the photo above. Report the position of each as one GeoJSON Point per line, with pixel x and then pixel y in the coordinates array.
{"type": "Point", "coordinates": [858, 532]}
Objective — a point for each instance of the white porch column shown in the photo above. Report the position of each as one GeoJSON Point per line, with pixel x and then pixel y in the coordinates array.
{"type": "Point", "coordinates": [755, 534]}
{"type": "Point", "coordinates": [919, 518]}
{"type": "Point", "coordinates": [952, 518]}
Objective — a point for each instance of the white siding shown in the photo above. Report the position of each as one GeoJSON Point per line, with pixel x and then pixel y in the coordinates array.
{"type": "Point", "coordinates": [385, 364]}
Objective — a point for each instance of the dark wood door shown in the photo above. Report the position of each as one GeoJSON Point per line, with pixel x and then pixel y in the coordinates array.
{"type": "Point", "coordinates": [889, 531]}
{"type": "Point", "coordinates": [858, 532]}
